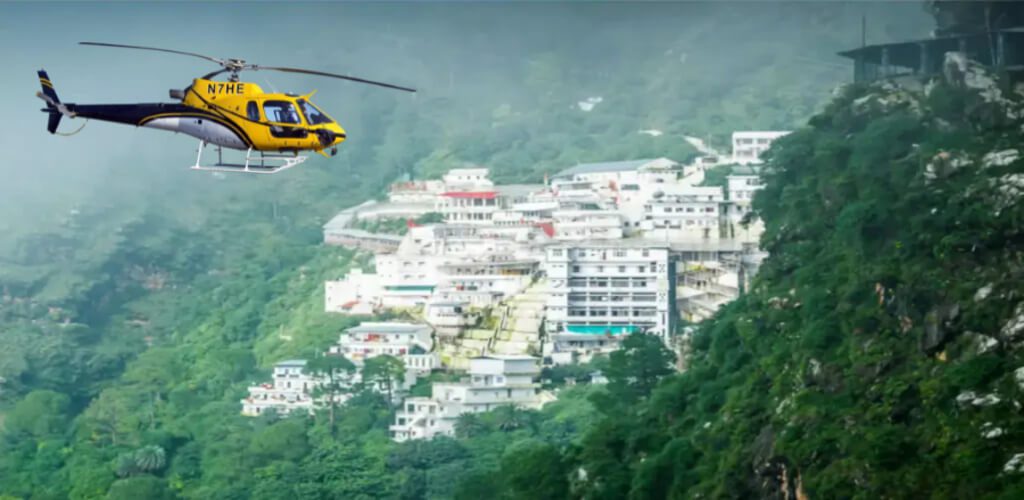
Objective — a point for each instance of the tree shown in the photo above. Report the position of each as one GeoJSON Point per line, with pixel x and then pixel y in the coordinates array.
{"type": "Point", "coordinates": [509, 418]}
{"type": "Point", "coordinates": [469, 425]}
{"type": "Point", "coordinates": [41, 414]}
{"type": "Point", "coordinates": [535, 471]}
{"type": "Point", "coordinates": [637, 367]}
{"type": "Point", "coordinates": [334, 382]}
{"type": "Point", "coordinates": [150, 458]}
{"type": "Point", "coordinates": [134, 488]}
{"type": "Point", "coordinates": [384, 372]}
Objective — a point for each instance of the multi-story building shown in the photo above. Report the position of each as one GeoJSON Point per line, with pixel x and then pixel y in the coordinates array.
{"type": "Point", "coordinates": [410, 342]}
{"type": "Point", "coordinates": [493, 381]}
{"type": "Point", "coordinates": [686, 213]}
{"type": "Point", "coordinates": [577, 224]}
{"type": "Point", "coordinates": [602, 290]}
{"type": "Point", "coordinates": [358, 293]}
{"type": "Point", "coordinates": [615, 173]}
{"type": "Point", "coordinates": [462, 178]}
{"type": "Point", "coordinates": [503, 275]}
{"type": "Point", "coordinates": [742, 184]}
{"type": "Point", "coordinates": [747, 147]}
{"type": "Point", "coordinates": [421, 192]}
{"type": "Point", "coordinates": [291, 390]}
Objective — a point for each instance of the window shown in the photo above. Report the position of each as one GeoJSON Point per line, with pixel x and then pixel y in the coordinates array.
{"type": "Point", "coordinates": [280, 112]}
{"type": "Point", "coordinates": [252, 110]}
{"type": "Point", "coordinates": [313, 115]}
{"type": "Point", "coordinates": [622, 269]}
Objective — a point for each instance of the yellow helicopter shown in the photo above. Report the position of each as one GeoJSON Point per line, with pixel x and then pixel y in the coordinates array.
{"type": "Point", "coordinates": [227, 114]}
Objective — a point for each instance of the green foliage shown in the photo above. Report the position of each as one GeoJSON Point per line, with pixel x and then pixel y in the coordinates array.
{"type": "Point", "coordinates": [635, 369]}
{"type": "Point", "coordinates": [135, 310]}
{"type": "Point", "coordinates": [383, 372]}
{"type": "Point", "coordinates": [150, 458]}
{"type": "Point", "coordinates": [134, 488]}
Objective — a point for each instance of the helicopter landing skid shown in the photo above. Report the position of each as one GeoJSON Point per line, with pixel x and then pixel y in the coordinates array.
{"type": "Point", "coordinates": [264, 163]}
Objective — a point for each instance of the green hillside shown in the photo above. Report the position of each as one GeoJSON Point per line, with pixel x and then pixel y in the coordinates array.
{"type": "Point", "coordinates": [138, 306]}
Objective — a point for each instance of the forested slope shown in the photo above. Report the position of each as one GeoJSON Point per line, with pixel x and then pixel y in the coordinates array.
{"type": "Point", "coordinates": [878, 353]}
{"type": "Point", "coordinates": [136, 309]}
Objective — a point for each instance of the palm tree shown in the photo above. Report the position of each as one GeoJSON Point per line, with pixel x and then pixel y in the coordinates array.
{"type": "Point", "coordinates": [150, 458]}
{"type": "Point", "coordinates": [469, 425]}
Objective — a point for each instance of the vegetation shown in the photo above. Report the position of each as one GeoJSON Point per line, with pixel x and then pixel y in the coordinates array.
{"type": "Point", "coordinates": [871, 358]}
{"type": "Point", "coordinates": [396, 226]}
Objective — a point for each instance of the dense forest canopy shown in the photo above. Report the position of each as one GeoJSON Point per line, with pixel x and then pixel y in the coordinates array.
{"type": "Point", "coordinates": [873, 358]}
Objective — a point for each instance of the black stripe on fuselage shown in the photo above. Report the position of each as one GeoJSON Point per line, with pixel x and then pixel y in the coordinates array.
{"type": "Point", "coordinates": [139, 114]}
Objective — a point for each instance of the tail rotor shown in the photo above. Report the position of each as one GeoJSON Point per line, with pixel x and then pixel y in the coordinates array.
{"type": "Point", "coordinates": [54, 107]}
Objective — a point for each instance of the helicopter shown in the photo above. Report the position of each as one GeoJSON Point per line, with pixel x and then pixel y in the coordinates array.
{"type": "Point", "coordinates": [272, 128]}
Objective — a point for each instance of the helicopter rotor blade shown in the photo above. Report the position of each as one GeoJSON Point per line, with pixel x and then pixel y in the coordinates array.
{"type": "Point", "coordinates": [331, 75]}
{"type": "Point", "coordinates": [193, 54]}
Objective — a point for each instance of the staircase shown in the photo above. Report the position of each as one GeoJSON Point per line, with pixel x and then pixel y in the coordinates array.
{"type": "Point", "coordinates": [519, 330]}
{"type": "Point", "coordinates": [516, 331]}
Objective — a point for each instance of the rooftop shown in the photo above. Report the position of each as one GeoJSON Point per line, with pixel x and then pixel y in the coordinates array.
{"type": "Point", "coordinates": [370, 327]}
{"type": "Point", "coordinates": [291, 363]}
{"type": "Point", "coordinates": [519, 189]}
{"type": "Point", "coordinates": [359, 233]}
{"type": "Point", "coordinates": [508, 357]}
{"type": "Point", "coordinates": [623, 243]}
{"type": "Point", "coordinates": [608, 166]}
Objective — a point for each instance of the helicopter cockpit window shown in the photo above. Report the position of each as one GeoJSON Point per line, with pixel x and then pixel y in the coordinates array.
{"type": "Point", "coordinates": [253, 111]}
{"type": "Point", "coordinates": [313, 115]}
{"type": "Point", "coordinates": [280, 112]}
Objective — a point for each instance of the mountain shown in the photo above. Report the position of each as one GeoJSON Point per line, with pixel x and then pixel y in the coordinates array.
{"type": "Point", "coordinates": [139, 300]}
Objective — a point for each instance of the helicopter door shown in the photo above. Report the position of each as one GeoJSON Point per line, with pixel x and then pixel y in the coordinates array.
{"type": "Point", "coordinates": [281, 114]}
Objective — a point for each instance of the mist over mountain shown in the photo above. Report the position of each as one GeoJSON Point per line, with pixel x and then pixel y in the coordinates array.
{"type": "Point", "coordinates": [876, 355]}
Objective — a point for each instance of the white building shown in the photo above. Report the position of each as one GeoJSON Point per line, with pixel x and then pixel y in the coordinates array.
{"type": "Point", "coordinates": [357, 294]}
{"type": "Point", "coordinates": [410, 342]}
{"type": "Point", "coordinates": [742, 184]}
{"type": "Point", "coordinates": [468, 207]}
{"type": "Point", "coordinates": [504, 276]}
{"type": "Point", "coordinates": [704, 287]}
{"type": "Point", "coordinates": [575, 224]}
{"type": "Point", "coordinates": [291, 390]}
{"type": "Point", "coordinates": [747, 147]}
{"type": "Point", "coordinates": [418, 192]}
{"type": "Point", "coordinates": [463, 178]}
{"type": "Point", "coordinates": [684, 214]}
{"type": "Point", "coordinates": [615, 173]}
{"type": "Point", "coordinates": [493, 381]}
{"type": "Point", "coordinates": [600, 291]}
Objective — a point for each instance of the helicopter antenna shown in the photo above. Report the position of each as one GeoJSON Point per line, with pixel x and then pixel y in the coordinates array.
{"type": "Point", "coordinates": [271, 85]}
{"type": "Point", "coordinates": [234, 66]}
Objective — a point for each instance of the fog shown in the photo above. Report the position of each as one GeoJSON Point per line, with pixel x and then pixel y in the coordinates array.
{"type": "Point", "coordinates": [696, 68]}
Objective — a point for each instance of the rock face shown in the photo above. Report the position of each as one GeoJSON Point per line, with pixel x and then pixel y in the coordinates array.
{"type": "Point", "coordinates": [880, 350]}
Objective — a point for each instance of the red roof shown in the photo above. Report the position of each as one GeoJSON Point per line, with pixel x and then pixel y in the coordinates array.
{"type": "Point", "coordinates": [548, 228]}
{"type": "Point", "coordinates": [349, 305]}
{"type": "Point", "coordinates": [487, 195]}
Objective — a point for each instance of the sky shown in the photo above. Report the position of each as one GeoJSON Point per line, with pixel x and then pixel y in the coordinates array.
{"type": "Point", "coordinates": [43, 176]}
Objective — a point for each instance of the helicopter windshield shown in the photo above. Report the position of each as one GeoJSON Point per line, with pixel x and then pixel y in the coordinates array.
{"type": "Point", "coordinates": [313, 115]}
{"type": "Point", "coordinates": [280, 112]}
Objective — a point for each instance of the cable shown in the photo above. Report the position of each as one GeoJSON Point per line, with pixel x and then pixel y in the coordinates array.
{"type": "Point", "coordinates": [66, 134]}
